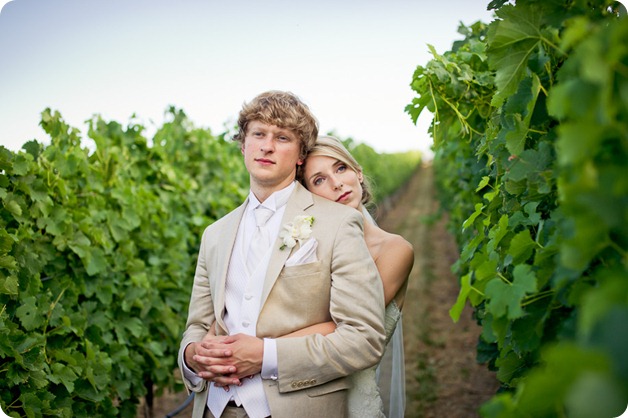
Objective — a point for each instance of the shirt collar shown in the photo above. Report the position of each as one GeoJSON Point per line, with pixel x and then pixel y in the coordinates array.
{"type": "Point", "coordinates": [274, 201]}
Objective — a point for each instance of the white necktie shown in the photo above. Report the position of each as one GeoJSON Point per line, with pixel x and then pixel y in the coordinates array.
{"type": "Point", "coordinates": [260, 242]}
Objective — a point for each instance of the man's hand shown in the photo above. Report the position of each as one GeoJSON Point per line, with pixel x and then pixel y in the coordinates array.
{"type": "Point", "coordinates": [211, 363]}
{"type": "Point", "coordinates": [226, 360]}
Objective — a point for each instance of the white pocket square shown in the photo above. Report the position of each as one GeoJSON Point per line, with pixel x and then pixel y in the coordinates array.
{"type": "Point", "coordinates": [305, 254]}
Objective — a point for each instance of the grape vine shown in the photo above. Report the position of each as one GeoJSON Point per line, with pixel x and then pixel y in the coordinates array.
{"type": "Point", "coordinates": [530, 137]}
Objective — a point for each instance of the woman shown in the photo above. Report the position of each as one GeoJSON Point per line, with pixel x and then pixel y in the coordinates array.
{"type": "Point", "coordinates": [331, 171]}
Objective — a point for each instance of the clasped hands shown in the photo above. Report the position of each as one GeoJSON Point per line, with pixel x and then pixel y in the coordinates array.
{"type": "Point", "coordinates": [226, 360]}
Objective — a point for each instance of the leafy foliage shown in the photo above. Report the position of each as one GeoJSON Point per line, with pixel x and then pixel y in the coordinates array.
{"type": "Point", "coordinates": [96, 260]}
{"type": "Point", "coordinates": [530, 136]}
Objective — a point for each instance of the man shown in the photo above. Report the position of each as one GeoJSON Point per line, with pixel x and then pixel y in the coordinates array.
{"type": "Point", "coordinates": [317, 270]}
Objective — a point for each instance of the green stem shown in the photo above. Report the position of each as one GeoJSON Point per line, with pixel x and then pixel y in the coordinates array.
{"type": "Point", "coordinates": [466, 127]}
{"type": "Point", "coordinates": [501, 276]}
{"type": "Point", "coordinates": [52, 307]}
{"type": "Point", "coordinates": [478, 292]}
{"type": "Point", "coordinates": [556, 47]}
{"type": "Point", "coordinates": [537, 297]}
{"type": "Point", "coordinates": [617, 248]}
{"type": "Point", "coordinates": [436, 114]}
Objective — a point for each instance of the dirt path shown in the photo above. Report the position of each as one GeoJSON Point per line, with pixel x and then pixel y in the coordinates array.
{"type": "Point", "coordinates": [442, 376]}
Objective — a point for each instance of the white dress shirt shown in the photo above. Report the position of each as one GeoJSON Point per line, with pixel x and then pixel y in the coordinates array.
{"type": "Point", "coordinates": [243, 292]}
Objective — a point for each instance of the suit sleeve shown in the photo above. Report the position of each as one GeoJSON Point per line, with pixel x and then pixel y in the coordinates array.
{"type": "Point", "coordinates": [357, 308]}
{"type": "Point", "coordinates": [200, 312]}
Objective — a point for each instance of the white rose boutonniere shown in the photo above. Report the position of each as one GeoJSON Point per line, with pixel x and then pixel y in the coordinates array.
{"type": "Point", "coordinates": [298, 230]}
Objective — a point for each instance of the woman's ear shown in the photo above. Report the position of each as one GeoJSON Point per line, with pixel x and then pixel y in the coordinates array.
{"type": "Point", "coordinates": [360, 177]}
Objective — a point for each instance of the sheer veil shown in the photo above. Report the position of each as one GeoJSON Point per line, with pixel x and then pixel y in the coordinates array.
{"type": "Point", "coordinates": [391, 376]}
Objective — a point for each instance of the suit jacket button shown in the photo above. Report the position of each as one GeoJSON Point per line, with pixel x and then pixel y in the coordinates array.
{"type": "Point", "coordinates": [294, 384]}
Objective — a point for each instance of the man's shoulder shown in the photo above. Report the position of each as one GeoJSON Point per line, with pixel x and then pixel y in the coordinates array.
{"type": "Point", "coordinates": [327, 204]}
{"type": "Point", "coordinates": [226, 219]}
{"type": "Point", "coordinates": [333, 210]}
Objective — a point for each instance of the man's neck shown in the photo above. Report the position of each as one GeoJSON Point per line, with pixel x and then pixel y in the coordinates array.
{"type": "Point", "coordinates": [262, 193]}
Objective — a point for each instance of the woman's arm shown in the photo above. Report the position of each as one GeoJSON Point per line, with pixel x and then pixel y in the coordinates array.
{"type": "Point", "coordinates": [394, 265]}
{"type": "Point", "coordinates": [322, 328]}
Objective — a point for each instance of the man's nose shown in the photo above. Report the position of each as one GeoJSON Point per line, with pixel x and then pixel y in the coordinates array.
{"type": "Point", "coordinates": [268, 144]}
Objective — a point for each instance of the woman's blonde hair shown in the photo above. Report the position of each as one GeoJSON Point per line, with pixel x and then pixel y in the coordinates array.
{"type": "Point", "coordinates": [329, 146]}
{"type": "Point", "coordinates": [283, 109]}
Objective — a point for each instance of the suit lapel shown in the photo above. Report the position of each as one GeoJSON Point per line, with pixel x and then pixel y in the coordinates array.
{"type": "Point", "coordinates": [299, 201]}
{"type": "Point", "coordinates": [229, 232]}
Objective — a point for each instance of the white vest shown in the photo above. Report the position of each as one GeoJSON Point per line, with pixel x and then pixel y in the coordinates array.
{"type": "Point", "coordinates": [243, 294]}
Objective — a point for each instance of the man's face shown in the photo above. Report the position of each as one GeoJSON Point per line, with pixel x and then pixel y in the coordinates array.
{"type": "Point", "coordinates": [271, 155]}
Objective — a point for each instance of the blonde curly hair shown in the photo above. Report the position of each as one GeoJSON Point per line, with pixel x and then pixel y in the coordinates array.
{"type": "Point", "coordinates": [283, 109]}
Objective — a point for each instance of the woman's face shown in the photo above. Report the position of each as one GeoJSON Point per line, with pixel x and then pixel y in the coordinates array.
{"type": "Point", "coordinates": [333, 180]}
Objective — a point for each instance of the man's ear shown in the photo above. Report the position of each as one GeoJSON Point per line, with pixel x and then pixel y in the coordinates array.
{"type": "Point", "coordinates": [299, 162]}
{"type": "Point", "coordinates": [242, 148]}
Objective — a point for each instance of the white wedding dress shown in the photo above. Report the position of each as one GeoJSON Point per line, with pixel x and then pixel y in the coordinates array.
{"type": "Point", "coordinates": [365, 400]}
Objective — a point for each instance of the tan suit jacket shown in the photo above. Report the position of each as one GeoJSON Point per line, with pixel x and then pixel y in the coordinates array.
{"type": "Point", "coordinates": [343, 286]}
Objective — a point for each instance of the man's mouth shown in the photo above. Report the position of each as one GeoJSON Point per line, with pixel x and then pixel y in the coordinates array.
{"type": "Point", "coordinates": [264, 161]}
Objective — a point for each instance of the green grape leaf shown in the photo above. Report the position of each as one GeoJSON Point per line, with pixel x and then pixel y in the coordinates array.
{"type": "Point", "coordinates": [8, 262]}
{"type": "Point", "coordinates": [95, 261]}
{"type": "Point", "coordinates": [13, 206]}
{"type": "Point", "coordinates": [29, 314]}
{"type": "Point", "coordinates": [521, 246]}
{"type": "Point", "coordinates": [478, 211]}
{"type": "Point", "coordinates": [498, 232]}
{"type": "Point", "coordinates": [465, 287]}
{"type": "Point", "coordinates": [511, 42]}
{"type": "Point", "coordinates": [21, 164]}
{"type": "Point", "coordinates": [510, 366]}
{"type": "Point", "coordinates": [506, 297]}
{"type": "Point", "coordinates": [64, 375]}
{"type": "Point", "coordinates": [9, 285]}
{"type": "Point", "coordinates": [483, 183]}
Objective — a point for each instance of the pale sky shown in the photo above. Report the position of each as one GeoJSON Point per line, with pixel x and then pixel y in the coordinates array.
{"type": "Point", "coordinates": [351, 61]}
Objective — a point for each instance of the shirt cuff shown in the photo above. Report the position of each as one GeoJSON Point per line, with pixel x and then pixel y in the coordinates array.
{"type": "Point", "coordinates": [269, 361]}
{"type": "Point", "coordinates": [192, 377]}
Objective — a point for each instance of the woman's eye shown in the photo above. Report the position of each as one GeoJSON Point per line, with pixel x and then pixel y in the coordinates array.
{"type": "Point", "coordinates": [317, 181]}
{"type": "Point", "coordinates": [342, 168]}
